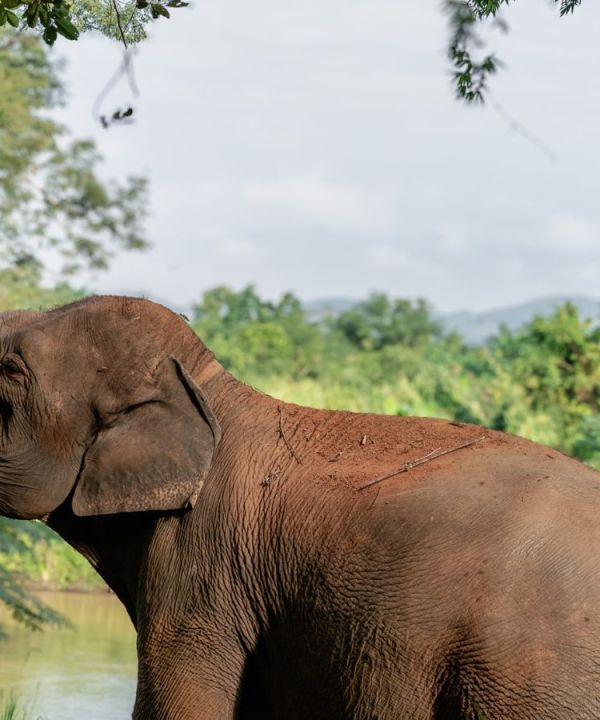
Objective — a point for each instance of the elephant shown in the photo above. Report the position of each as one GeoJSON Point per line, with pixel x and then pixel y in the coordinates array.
{"type": "Point", "coordinates": [287, 563]}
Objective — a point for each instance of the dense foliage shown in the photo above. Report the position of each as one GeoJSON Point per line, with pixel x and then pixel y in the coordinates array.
{"type": "Point", "coordinates": [391, 356]}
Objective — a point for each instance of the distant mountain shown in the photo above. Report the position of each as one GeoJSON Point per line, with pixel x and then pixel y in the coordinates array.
{"type": "Point", "coordinates": [476, 327]}
{"type": "Point", "coordinates": [479, 327]}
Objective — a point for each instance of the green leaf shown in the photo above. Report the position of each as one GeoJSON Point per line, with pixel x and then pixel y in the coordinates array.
{"type": "Point", "coordinates": [45, 18]}
{"type": "Point", "coordinates": [32, 14]}
{"type": "Point", "coordinates": [158, 9]}
{"type": "Point", "coordinates": [12, 18]}
{"type": "Point", "coordinates": [65, 27]}
{"type": "Point", "coordinates": [50, 35]}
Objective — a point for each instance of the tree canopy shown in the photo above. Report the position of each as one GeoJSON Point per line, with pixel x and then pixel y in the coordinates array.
{"type": "Point", "coordinates": [126, 21]}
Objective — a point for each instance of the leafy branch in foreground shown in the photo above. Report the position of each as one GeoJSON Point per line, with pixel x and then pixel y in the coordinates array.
{"type": "Point", "coordinates": [23, 605]}
{"type": "Point", "coordinates": [124, 20]}
{"type": "Point", "coordinates": [471, 74]}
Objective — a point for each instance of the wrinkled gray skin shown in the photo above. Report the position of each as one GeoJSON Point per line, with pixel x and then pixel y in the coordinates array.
{"type": "Point", "coordinates": [263, 582]}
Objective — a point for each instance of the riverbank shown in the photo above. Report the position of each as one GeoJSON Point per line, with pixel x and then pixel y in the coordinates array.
{"type": "Point", "coordinates": [75, 589]}
{"type": "Point", "coordinates": [86, 669]}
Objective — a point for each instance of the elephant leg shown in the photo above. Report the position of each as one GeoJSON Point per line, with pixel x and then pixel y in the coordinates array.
{"type": "Point", "coordinates": [182, 701]}
{"type": "Point", "coordinates": [178, 683]}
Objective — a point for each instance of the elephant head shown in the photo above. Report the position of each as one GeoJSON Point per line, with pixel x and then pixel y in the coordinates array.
{"type": "Point", "coordinates": [97, 409]}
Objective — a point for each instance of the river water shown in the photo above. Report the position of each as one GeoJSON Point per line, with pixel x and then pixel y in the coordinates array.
{"type": "Point", "coordinates": [84, 673]}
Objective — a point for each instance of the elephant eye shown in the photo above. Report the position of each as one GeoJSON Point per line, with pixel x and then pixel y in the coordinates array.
{"type": "Point", "coordinates": [12, 366]}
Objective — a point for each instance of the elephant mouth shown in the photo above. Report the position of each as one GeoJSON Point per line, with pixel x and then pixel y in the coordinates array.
{"type": "Point", "coordinates": [25, 501]}
{"type": "Point", "coordinates": [7, 510]}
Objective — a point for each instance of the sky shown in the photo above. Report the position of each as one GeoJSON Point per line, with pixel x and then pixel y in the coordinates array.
{"type": "Point", "coordinates": [318, 147]}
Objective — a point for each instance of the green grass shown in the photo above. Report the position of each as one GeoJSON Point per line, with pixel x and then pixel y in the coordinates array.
{"type": "Point", "coordinates": [12, 709]}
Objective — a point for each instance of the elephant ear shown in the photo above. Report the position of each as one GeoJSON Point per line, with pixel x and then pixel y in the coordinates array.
{"type": "Point", "coordinates": [155, 455]}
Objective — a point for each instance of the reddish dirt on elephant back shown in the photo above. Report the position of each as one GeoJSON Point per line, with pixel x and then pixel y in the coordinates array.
{"type": "Point", "coordinates": [355, 449]}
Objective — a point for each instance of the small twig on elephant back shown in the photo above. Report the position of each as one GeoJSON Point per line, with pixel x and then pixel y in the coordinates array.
{"type": "Point", "coordinates": [283, 437]}
{"type": "Point", "coordinates": [433, 455]}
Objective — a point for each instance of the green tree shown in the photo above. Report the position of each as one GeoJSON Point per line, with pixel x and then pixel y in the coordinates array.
{"type": "Point", "coordinates": [381, 321]}
{"type": "Point", "coordinates": [21, 288]}
{"type": "Point", "coordinates": [51, 195]}
{"type": "Point", "coordinates": [256, 337]}
{"type": "Point", "coordinates": [556, 362]}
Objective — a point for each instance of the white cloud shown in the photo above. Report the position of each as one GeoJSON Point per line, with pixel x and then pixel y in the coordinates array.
{"type": "Point", "coordinates": [237, 248]}
{"type": "Point", "coordinates": [568, 234]}
{"type": "Point", "coordinates": [588, 272]}
{"type": "Point", "coordinates": [311, 199]}
{"type": "Point", "coordinates": [453, 240]}
{"type": "Point", "coordinates": [510, 268]}
{"type": "Point", "coordinates": [387, 258]}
